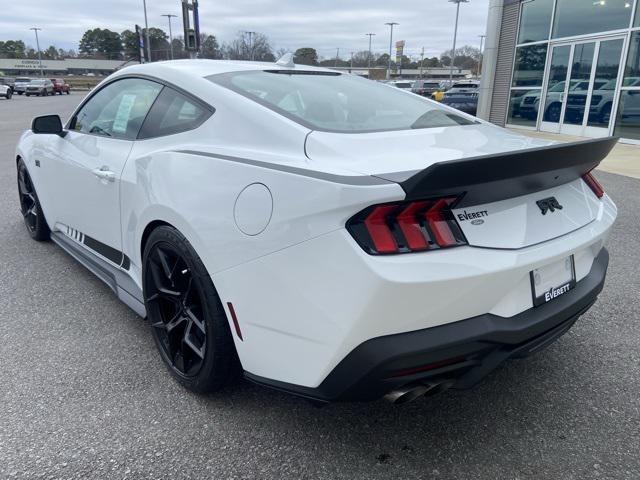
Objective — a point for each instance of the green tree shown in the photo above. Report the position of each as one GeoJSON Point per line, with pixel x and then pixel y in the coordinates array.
{"type": "Point", "coordinates": [209, 47]}
{"type": "Point", "coordinates": [383, 61]}
{"type": "Point", "coordinates": [13, 49]}
{"type": "Point", "coordinates": [101, 43]}
{"type": "Point", "coordinates": [130, 45]}
{"type": "Point", "coordinates": [306, 56]}
{"type": "Point", "coordinates": [51, 53]}
{"type": "Point", "coordinates": [159, 43]}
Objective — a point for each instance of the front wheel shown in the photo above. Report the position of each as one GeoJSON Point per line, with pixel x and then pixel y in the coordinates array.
{"type": "Point", "coordinates": [30, 206]}
{"type": "Point", "coordinates": [188, 321]}
{"type": "Point", "coordinates": [8, 95]}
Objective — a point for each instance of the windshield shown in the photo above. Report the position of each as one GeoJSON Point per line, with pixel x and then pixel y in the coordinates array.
{"type": "Point", "coordinates": [465, 85]}
{"type": "Point", "coordinates": [338, 103]}
{"type": "Point", "coordinates": [23, 80]}
{"type": "Point", "coordinates": [37, 82]}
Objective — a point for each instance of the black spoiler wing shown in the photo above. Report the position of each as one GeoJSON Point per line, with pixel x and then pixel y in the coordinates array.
{"type": "Point", "coordinates": [489, 178]}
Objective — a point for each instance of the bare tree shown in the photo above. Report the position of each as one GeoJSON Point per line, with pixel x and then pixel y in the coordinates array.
{"type": "Point", "coordinates": [240, 49]}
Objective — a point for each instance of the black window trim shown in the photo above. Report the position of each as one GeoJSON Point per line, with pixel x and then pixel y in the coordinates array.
{"type": "Point", "coordinates": [199, 103]}
{"type": "Point", "coordinates": [151, 78]}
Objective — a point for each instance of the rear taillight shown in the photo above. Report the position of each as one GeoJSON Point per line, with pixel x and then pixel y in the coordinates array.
{"type": "Point", "coordinates": [406, 227]}
{"type": "Point", "coordinates": [593, 184]}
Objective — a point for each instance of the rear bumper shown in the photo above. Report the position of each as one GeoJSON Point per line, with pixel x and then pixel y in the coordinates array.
{"type": "Point", "coordinates": [459, 353]}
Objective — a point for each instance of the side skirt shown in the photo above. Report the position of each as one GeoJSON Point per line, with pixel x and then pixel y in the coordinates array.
{"type": "Point", "coordinates": [123, 286]}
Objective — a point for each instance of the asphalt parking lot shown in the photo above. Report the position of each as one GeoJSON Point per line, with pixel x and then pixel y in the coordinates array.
{"type": "Point", "coordinates": [83, 393]}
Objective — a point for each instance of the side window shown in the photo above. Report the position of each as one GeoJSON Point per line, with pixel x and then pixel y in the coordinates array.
{"type": "Point", "coordinates": [117, 110]}
{"type": "Point", "coordinates": [173, 113]}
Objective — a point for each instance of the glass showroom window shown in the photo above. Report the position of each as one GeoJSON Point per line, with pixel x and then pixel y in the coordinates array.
{"type": "Point", "coordinates": [535, 21]}
{"type": "Point", "coordinates": [523, 107]}
{"type": "Point", "coordinates": [580, 17]}
{"type": "Point", "coordinates": [628, 117]}
{"type": "Point", "coordinates": [528, 69]}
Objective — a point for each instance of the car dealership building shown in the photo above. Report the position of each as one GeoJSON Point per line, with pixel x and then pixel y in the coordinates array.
{"type": "Point", "coordinates": [564, 66]}
{"type": "Point", "coordinates": [70, 66]}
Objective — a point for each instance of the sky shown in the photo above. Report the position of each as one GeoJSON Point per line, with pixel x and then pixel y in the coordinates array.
{"type": "Point", "coordinates": [322, 24]}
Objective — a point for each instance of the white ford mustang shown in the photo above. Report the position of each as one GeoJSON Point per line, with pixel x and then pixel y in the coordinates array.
{"type": "Point", "coordinates": [319, 233]}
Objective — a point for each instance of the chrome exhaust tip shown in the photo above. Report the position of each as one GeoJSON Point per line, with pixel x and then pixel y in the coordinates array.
{"type": "Point", "coordinates": [406, 394]}
{"type": "Point", "coordinates": [412, 391]}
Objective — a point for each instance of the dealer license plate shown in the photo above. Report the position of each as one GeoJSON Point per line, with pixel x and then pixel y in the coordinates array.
{"type": "Point", "coordinates": [553, 280]}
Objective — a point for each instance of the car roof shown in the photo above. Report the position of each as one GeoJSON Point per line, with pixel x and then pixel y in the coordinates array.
{"type": "Point", "coordinates": [204, 68]}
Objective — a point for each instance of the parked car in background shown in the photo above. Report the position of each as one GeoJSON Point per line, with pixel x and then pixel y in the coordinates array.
{"type": "Point", "coordinates": [6, 91]}
{"type": "Point", "coordinates": [40, 87]}
{"type": "Point", "coordinates": [463, 96]}
{"type": "Point", "coordinates": [60, 86]}
{"type": "Point", "coordinates": [402, 84]}
{"type": "Point", "coordinates": [9, 82]}
{"type": "Point", "coordinates": [530, 102]}
{"type": "Point", "coordinates": [425, 87]}
{"type": "Point", "coordinates": [20, 85]}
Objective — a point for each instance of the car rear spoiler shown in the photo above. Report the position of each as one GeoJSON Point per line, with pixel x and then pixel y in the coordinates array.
{"type": "Point", "coordinates": [489, 178]}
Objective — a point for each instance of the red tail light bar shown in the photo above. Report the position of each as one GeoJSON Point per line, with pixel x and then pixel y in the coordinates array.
{"type": "Point", "coordinates": [405, 227]}
{"type": "Point", "coordinates": [593, 184]}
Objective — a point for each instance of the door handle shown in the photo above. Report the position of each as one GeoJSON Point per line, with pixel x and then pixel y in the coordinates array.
{"type": "Point", "coordinates": [103, 173]}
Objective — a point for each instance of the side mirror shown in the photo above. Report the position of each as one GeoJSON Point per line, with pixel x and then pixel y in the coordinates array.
{"type": "Point", "coordinates": [48, 124]}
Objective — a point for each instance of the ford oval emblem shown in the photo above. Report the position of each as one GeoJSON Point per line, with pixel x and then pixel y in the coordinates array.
{"type": "Point", "coordinates": [477, 222]}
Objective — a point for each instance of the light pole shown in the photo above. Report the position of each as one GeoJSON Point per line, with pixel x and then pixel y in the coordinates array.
{"type": "Point", "coordinates": [391, 24]}
{"type": "Point", "coordinates": [421, 61]}
{"type": "Point", "coordinates": [481, 55]}
{"type": "Point", "coordinates": [35, 29]}
{"type": "Point", "coordinates": [146, 30]}
{"type": "Point", "coordinates": [337, 56]}
{"type": "Point", "coordinates": [251, 34]}
{"type": "Point", "coordinates": [370, 35]}
{"type": "Point", "coordinates": [351, 68]}
{"type": "Point", "coordinates": [169, 17]}
{"type": "Point", "coordinates": [455, 34]}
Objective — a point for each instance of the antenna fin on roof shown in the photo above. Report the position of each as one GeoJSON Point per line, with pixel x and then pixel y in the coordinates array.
{"type": "Point", "coordinates": [286, 61]}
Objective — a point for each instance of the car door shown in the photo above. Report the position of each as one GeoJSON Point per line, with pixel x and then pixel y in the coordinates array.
{"type": "Point", "coordinates": [83, 177]}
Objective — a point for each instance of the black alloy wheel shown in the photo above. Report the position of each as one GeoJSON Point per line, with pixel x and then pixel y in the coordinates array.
{"type": "Point", "coordinates": [187, 319]}
{"type": "Point", "coordinates": [30, 206]}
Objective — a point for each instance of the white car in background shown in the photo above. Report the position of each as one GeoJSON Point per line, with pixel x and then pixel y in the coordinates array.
{"type": "Point", "coordinates": [402, 84]}
{"type": "Point", "coordinates": [20, 85]}
{"type": "Point", "coordinates": [318, 232]}
{"type": "Point", "coordinates": [6, 92]}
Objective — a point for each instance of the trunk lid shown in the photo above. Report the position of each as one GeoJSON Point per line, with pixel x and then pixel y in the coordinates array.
{"type": "Point", "coordinates": [411, 150]}
{"type": "Point", "coordinates": [519, 222]}
{"type": "Point", "coordinates": [505, 181]}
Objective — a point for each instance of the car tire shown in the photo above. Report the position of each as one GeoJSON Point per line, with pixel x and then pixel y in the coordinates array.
{"type": "Point", "coordinates": [30, 207]}
{"type": "Point", "coordinates": [553, 113]}
{"type": "Point", "coordinates": [68, 92]}
{"type": "Point", "coordinates": [605, 114]}
{"type": "Point", "coordinates": [8, 95]}
{"type": "Point", "coordinates": [20, 93]}
{"type": "Point", "coordinates": [188, 322]}
{"type": "Point", "coordinates": [26, 95]}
